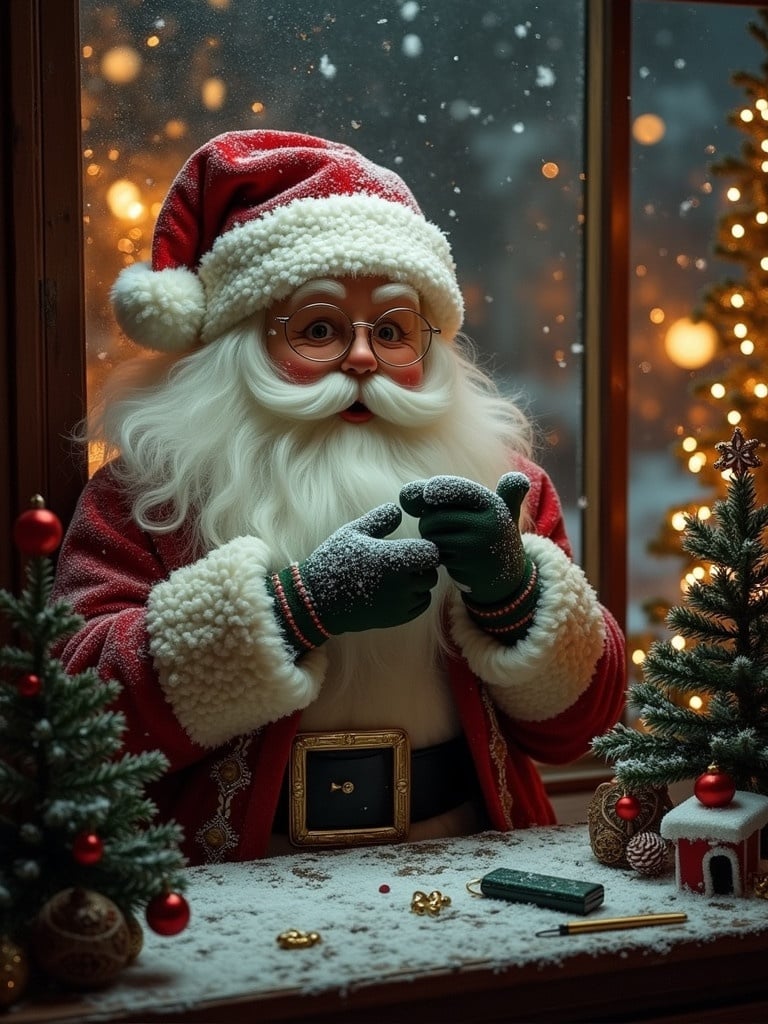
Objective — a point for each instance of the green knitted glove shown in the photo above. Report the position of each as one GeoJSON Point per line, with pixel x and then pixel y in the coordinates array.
{"type": "Point", "coordinates": [475, 531]}
{"type": "Point", "coordinates": [355, 580]}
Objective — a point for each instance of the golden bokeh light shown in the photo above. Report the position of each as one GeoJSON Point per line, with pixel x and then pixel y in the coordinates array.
{"type": "Point", "coordinates": [121, 65]}
{"type": "Point", "coordinates": [648, 129]}
{"type": "Point", "coordinates": [690, 344]}
{"type": "Point", "coordinates": [214, 93]}
{"type": "Point", "coordinates": [124, 200]}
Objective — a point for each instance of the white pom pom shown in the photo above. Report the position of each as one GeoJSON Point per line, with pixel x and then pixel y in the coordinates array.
{"type": "Point", "coordinates": [161, 310]}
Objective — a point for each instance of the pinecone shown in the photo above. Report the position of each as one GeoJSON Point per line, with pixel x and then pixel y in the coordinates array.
{"type": "Point", "coordinates": [648, 853]}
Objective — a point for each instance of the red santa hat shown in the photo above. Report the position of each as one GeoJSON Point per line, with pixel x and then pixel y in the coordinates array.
{"type": "Point", "coordinates": [253, 215]}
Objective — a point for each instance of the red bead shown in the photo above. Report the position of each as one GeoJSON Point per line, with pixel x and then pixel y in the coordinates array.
{"type": "Point", "coordinates": [628, 807]}
{"type": "Point", "coordinates": [168, 913]}
{"type": "Point", "coordinates": [37, 532]}
{"type": "Point", "coordinates": [714, 788]}
{"type": "Point", "coordinates": [28, 685]}
{"type": "Point", "coordinates": [88, 849]}
{"type": "Point", "coordinates": [384, 888]}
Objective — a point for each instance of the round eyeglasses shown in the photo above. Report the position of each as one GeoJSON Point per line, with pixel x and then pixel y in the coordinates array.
{"type": "Point", "coordinates": [322, 332]}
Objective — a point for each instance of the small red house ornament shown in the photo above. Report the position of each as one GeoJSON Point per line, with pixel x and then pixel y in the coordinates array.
{"type": "Point", "coordinates": [717, 849]}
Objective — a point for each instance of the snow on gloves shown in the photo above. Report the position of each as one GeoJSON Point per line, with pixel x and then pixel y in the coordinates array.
{"type": "Point", "coordinates": [355, 580]}
{"type": "Point", "coordinates": [476, 532]}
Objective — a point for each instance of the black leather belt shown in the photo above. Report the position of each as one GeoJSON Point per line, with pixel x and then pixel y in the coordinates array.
{"type": "Point", "coordinates": [351, 789]}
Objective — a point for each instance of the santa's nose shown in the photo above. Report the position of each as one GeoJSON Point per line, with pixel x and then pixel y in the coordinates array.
{"type": "Point", "coordinates": [360, 357]}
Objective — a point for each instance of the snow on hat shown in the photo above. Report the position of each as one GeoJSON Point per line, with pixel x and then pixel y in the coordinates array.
{"type": "Point", "coordinates": [253, 215]}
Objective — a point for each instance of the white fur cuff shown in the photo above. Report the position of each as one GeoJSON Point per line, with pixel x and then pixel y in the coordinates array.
{"type": "Point", "coordinates": [223, 664]}
{"type": "Point", "coordinates": [547, 671]}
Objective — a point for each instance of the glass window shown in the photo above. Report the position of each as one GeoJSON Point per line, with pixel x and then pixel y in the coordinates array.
{"type": "Point", "coordinates": [478, 104]}
{"type": "Point", "coordinates": [684, 55]}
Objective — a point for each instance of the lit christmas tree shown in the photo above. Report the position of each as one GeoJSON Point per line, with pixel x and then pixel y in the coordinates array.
{"type": "Point", "coordinates": [725, 619]}
{"type": "Point", "coordinates": [75, 826]}
{"type": "Point", "coordinates": [737, 390]}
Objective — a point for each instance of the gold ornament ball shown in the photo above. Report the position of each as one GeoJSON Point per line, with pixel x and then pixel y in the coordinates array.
{"type": "Point", "coordinates": [80, 939]}
{"type": "Point", "coordinates": [137, 936]}
{"type": "Point", "coordinates": [14, 971]}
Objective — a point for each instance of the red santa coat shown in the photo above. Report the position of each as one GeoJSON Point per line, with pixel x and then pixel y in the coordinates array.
{"type": "Point", "coordinates": [207, 678]}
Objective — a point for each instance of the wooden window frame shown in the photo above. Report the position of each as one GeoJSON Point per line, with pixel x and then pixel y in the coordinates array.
{"type": "Point", "coordinates": [41, 287]}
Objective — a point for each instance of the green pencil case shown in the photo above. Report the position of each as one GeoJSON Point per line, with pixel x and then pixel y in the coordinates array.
{"type": "Point", "coordinates": [567, 894]}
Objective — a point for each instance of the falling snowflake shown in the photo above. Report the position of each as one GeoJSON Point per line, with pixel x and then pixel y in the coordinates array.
{"type": "Point", "coordinates": [412, 46]}
{"type": "Point", "coordinates": [545, 76]}
{"type": "Point", "coordinates": [327, 69]}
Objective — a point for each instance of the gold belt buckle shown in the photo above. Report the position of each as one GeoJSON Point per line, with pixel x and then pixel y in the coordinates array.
{"type": "Point", "coordinates": [303, 746]}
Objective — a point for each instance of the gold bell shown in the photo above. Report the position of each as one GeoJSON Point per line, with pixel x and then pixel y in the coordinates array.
{"type": "Point", "coordinates": [295, 939]}
{"type": "Point", "coordinates": [431, 904]}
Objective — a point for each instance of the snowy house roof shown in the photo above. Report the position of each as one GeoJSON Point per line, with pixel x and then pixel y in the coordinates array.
{"type": "Point", "coordinates": [740, 818]}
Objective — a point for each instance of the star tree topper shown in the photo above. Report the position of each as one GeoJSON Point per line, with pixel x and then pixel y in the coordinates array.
{"type": "Point", "coordinates": [737, 454]}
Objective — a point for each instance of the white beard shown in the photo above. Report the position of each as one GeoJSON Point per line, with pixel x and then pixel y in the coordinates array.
{"type": "Point", "coordinates": [324, 472]}
{"type": "Point", "coordinates": [256, 454]}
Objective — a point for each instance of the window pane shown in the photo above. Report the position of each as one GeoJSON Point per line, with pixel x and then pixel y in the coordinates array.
{"type": "Point", "coordinates": [477, 104]}
{"type": "Point", "coordinates": [683, 59]}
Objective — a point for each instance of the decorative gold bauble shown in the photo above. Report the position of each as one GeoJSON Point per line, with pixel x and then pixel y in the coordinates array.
{"type": "Point", "coordinates": [14, 971]}
{"type": "Point", "coordinates": [136, 936]}
{"type": "Point", "coordinates": [80, 939]}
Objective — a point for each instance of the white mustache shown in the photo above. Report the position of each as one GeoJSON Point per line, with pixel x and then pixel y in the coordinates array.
{"type": "Point", "coordinates": [336, 392]}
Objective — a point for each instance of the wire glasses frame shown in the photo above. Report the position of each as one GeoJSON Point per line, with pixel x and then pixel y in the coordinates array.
{"type": "Point", "coordinates": [323, 333]}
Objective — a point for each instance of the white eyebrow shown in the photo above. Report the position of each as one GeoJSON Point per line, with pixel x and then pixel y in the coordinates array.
{"type": "Point", "coordinates": [394, 290]}
{"type": "Point", "coordinates": [334, 289]}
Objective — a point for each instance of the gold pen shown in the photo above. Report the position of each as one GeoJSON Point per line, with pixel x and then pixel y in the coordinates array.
{"type": "Point", "coordinates": [612, 924]}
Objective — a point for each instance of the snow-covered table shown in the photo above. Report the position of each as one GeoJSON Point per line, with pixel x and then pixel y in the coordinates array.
{"type": "Point", "coordinates": [478, 959]}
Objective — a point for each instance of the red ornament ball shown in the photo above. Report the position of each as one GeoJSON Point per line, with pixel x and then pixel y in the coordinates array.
{"type": "Point", "coordinates": [714, 788]}
{"type": "Point", "coordinates": [29, 685]}
{"type": "Point", "coordinates": [88, 849]}
{"type": "Point", "coordinates": [384, 888]}
{"type": "Point", "coordinates": [37, 532]}
{"type": "Point", "coordinates": [168, 913]}
{"type": "Point", "coordinates": [628, 807]}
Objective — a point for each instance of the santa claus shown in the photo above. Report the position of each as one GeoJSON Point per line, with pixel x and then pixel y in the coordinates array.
{"type": "Point", "coordinates": [337, 592]}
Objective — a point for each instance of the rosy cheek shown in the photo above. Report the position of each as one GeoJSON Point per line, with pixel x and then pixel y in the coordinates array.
{"type": "Point", "coordinates": [409, 376]}
{"type": "Point", "coordinates": [300, 372]}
